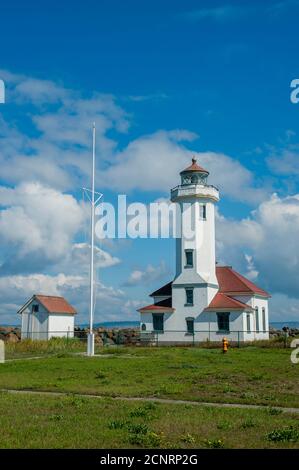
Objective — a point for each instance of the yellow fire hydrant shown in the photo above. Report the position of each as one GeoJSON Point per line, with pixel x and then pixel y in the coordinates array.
{"type": "Point", "coordinates": [224, 345]}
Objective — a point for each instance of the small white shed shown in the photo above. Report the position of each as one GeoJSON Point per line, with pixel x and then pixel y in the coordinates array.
{"type": "Point", "coordinates": [45, 316]}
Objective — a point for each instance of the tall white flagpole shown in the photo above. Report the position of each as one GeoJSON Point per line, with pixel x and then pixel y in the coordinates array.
{"type": "Point", "coordinates": [90, 342]}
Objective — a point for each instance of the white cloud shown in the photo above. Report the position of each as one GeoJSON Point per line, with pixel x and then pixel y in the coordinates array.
{"type": "Point", "coordinates": [38, 226]}
{"type": "Point", "coordinates": [145, 277]}
{"type": "Point", "coordinates": [111, 304]}
{"type": "Point", "coordinates": [153, 163]}
{"type": "Point", "coordinates": [284, 162]}
{"type": "Point", "coordinates": [80, 258]}
{"type": "Point", "coordinates": [265, 244]}
{"type": "Point", "coordinates": [221, 14]}
{"type": "Point", "coordinates": [36, 219]}
{"type": "Point", "coordinates": [57, 149]}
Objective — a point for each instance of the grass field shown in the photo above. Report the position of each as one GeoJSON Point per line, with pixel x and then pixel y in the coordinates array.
{"type": "Point", "coordinates": [252, 375]}
{"type": "Point", "coordinates": [74, 422]}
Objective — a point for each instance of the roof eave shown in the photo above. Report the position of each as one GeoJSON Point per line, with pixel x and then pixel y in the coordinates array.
{"type": "Point", "coordinates": [20, 311]}
{"type": "Point", "coordinates": [229, 309]}
{"type": "Point", "coordinates": [156, 310]}
{"type": "Point", "coordinates": [250, 293]}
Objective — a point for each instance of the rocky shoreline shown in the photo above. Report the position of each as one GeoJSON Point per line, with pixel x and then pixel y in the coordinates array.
{"type": "Point", "coordinates": [116, 336]}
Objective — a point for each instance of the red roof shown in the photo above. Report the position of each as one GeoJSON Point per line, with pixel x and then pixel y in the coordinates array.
{"type": "Point", "coordinates": [222, 301]}
{"type": "Point", "coordinates": [155, 308]}
{"type": "Point", "coordinates": [195, 167]}
{"type": "Point", "coordinates": [55, 304]}
{"type": "Point", "coordinates": [162, 306]}
{"type": "Point", "coordinates": [231, 282]}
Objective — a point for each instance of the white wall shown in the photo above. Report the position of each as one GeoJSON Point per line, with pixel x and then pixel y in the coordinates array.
{"type": "Point", "coordinates": [61, 325]}
{"type": "Point", "coordinates": [34, 324]}
{"type": "Point", "coordinates": [205, 327]}
{"type": "Point", "coordinates": [259, 302]}
{"type": "Point", "coordinates": [203, 244]}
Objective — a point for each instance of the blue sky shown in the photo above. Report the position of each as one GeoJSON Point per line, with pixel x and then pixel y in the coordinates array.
{"type": "Point", "coordinates": [163, 80]}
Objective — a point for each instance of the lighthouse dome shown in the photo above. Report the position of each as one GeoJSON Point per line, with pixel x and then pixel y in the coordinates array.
{"type": "Point", "coordinates": [194, 174]}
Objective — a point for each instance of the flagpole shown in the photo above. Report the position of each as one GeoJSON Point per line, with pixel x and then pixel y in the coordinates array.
{"type": "Point", "coordinates": [90, 342]}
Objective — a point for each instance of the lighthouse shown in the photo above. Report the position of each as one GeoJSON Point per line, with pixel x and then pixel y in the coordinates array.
{"type": "Point", "coordinates": [204, 300]}
{"type": "Point", "coordinates": [195, 248]}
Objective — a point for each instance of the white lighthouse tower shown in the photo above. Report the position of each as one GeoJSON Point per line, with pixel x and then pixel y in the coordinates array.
{"type": "Point", "coordinates": [195, 283]}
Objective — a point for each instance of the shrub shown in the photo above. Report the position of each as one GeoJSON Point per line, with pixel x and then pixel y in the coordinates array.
{"type": "Point", "coordinates": [188, 438]}
{"type": "Point", "coordinates": [56, 417]}
{"type": "Point", "coordinates": [117, 424]}
{"type": "Point", "coordinates": [225, 425]}
{"type": "Point", "coordinates": [274, 411]}
{"type": "Point", "coordinates": [139, 428]}
{"type": "Point", "coordinates": [143, 411]}
{"type": "Point", "coordinates": [214, 443]}
{"type": "Point", "coordinates": [248, 423]}
{"type": "Point", "coordinates": [290, 434]}
{"type": "Point", "coordinates": [139, 413]}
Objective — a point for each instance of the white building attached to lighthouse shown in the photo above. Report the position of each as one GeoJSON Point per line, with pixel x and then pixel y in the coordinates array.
{"type": "Point", "coordinates": [204, 301]}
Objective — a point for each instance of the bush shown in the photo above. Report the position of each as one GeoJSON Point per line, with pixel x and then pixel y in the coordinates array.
{"type": "Point", "coordinates": [188, 439]}
{"type": "Point", "coordinates": [274, 411]}
{"type": "Point", "coordinates": [118, 424]}
{"type": "Point", "coordinates": [214, 443]}
{"type": "Point", "coordinates": [290, 434]}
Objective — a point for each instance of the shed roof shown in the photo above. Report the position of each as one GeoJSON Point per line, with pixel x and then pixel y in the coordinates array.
{"type": "Point", "coordinates": [52, 303]}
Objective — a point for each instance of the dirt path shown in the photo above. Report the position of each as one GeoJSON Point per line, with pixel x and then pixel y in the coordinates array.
{"type": "Point", "coordinates": [153, 399]}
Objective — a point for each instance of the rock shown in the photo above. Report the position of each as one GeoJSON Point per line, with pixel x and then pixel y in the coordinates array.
{"type": "Point", "coordinates": [98, 341]}
{"type": "Point", "coordinates": [11, 338]}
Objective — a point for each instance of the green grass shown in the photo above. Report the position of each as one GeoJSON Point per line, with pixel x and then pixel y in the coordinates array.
{"type": "Point", "coordinates": [73, 422]}
{"type": "Point", "coordinates": [247, 375]}
{"type": "Point", "coordinates": [29, 348]}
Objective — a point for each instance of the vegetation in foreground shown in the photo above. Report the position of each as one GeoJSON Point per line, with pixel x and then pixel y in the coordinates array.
{"type": "Point", "coordinates": [248, 375]}
{"type": "Point", "coordinates": [74, 422]}
{"type": "Point", "coordinates": [31, 348]}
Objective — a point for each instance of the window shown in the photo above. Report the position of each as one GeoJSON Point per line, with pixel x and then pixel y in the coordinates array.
{"type": "Point", "coordinates": [143, 327]}
{"type": "Point", "coordinates": [190, 325]}
{"type": "Point", "coordinates": [158, 322]}
{"type": "Point", "coordinates": [248, 323]}
{"type": "Point", "coordinates": [189, 296]}
{"type": "Point", "coordinates": [257, 323]}
{"type": "Point", "coordinates": [35, 308]}
{"type": "Point", "coordinates": [223, 321]}
{"type": "Point", "coordinates": [189, 258]}
{"type": "Point", "coordinates": [264, 319]}
{"type": "Point", "coordinates": [203, 212]}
